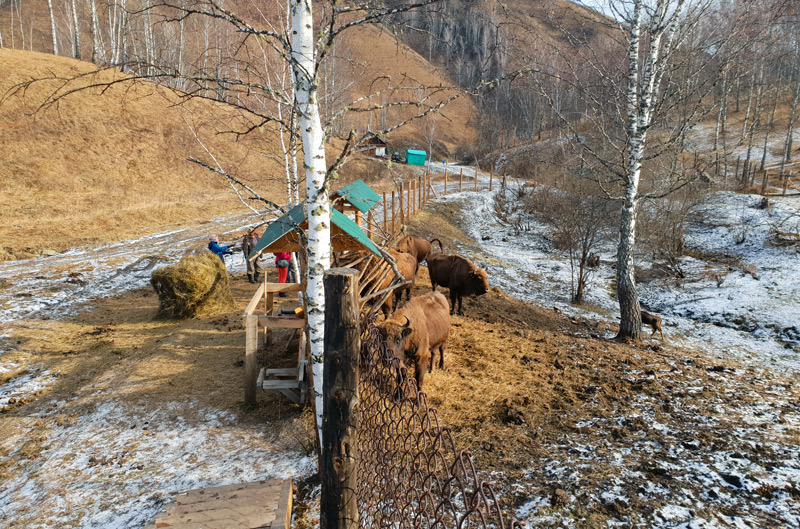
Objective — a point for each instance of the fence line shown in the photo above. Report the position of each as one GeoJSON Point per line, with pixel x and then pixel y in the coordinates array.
{"type": "Point", "coordinates": [386, 461]}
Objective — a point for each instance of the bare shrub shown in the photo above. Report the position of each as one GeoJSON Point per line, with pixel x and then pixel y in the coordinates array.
{"type": "Point", "coordinates": [579, 217]}
{"type": "Point", "coordinates": [662, 226]}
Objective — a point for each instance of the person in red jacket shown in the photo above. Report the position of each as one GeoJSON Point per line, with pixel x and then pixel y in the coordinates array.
{"type": "Point", "coordinates": [283, 261]}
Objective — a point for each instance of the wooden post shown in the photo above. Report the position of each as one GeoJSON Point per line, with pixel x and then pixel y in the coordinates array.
{"type": "Point", "coordinates": [504, 182]}
{"type": "Point", "coordinates": [476, 179]}
{"type": "Point", "coordinates": [785, 182]}
{"type": "Point", "coordinates": [337, 461]}
{"type": "Point", "coordinates": [764, 181]}
{"type": "Point", "coordinates": [491, 177]}
{"type": "Point", "coordinates": [385, 215]}
{"type": "Point", "coordinates": [393, 211]}
{"type": "Point", "coordinates": [402, 204]}
{"type": "Point", "coordinates": [371, 225]}
{"type": "Point", "coordinates": [445, 181]}
{"type": "Point", "coordinates": [736, 171]}
{"type": "Point", "coordinates": [420, 193]}
{"type": "Point", "coordinates": [250, 364]}
{"type": "Point", "coordinates": [461, 180]}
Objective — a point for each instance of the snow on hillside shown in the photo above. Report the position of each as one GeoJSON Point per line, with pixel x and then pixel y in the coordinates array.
{"type": "Point", "coordinates": [752, 316]}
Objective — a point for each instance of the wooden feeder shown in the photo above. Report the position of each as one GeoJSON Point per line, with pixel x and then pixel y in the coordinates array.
{"type": "Point", "coordinates": [286, 234]}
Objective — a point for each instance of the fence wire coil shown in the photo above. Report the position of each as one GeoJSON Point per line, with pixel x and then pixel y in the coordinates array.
{"type": "Point", "coordinates": [410, 472]}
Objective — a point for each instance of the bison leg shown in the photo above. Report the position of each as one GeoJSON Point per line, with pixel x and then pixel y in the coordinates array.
{"type": "Point", "coordinates": [452, 302]}
{"type": "Point", "coordinates": [441, 357]}
{"type": "Point", "coordinates": [423, 364]}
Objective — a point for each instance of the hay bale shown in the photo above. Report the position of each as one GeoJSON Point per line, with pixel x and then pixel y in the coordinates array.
{"type": "Point", "coordinates": [195, 286]}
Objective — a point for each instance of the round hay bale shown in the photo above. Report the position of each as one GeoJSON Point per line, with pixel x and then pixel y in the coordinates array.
{"type": "Point", "coordinates": [197, 285]}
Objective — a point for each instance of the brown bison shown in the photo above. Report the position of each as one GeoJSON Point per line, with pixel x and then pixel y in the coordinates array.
{"type": "Point", "coordinates": [417, 246]}
{"type": "Point", "coordinates": [408, 266]}
{"type": "Point", "coordinates": [414, 332]}
{"type": "Point", "coordinates": [458, 274]}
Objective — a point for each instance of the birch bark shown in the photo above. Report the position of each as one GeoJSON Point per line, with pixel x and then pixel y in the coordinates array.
{"type": "Point", "coordinates": [53, 27]}
{"type": "Point", "coordinates": [317, 204]}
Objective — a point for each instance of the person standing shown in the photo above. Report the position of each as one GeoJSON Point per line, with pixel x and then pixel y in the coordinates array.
{"type": "Point", "coordinates": [249, 242]}
{"type": "Point", "coordinates": [283, 262]}
{"type": "Point", "coordinates": [220, 250]}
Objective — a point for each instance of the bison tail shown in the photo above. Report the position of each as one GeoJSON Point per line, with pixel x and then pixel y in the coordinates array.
{"type": "Point", "coordinates": [441, 247]}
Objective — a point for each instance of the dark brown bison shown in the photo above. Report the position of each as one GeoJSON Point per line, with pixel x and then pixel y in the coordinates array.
{"type": "Point", "coordinates": [417, 246]}
{"type": "Point", "coordinates": [414, 332]}
{"type": "Point", "coordinates": [408, 266]}
{"type": "Point", "coordinates": [458, 274]}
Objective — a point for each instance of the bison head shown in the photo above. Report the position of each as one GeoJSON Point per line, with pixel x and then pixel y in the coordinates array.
{"type": "Point", "coordinates": [478, 282]}
{"type": "Point", "coordinates": [394, 335]}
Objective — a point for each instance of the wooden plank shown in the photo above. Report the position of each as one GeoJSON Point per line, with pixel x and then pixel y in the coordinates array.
{"type": "Point", "coordinates": [292, 394]}
{"type": "Point", "coordinates": [285, 287]}
{"type": "Point", "coordinates": [476, 179]}
{"type": "Point", "coordinates": [254, 302]}
{"type": "Point", "coordinates": [250, 365]}
{"type": "Point", "coordinates": [280, 322]}
{"type": "Point", "coordinates": [461, 180]}
{"type": "Point", "coordinates": [281, 384]}
{"type": "Point", "coordinates": [280, 372]}
{"type": "Point", "coordinates": [402, 203]}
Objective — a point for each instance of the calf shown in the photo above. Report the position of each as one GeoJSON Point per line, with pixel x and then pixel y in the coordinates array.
{"type": "Point", "coordinates": [652, 321]}
{"type": "Point", "coordinates": [414, 332]}
{"type": "Point", "coordinates": [458, 274]}
{"type": "Point", "coordinates": [417, 246]}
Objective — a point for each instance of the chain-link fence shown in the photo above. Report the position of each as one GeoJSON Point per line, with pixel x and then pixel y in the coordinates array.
{"type": "Point", "coordinates": [410, 473]}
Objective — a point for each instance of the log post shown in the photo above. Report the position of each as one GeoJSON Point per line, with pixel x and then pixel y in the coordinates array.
{"type": "Point", "coordinates": [476, 179]}
{"type": "Point", "coordinates": [491, 177]}
{"type": "Point", "coordinates": [371, 225]}
{"type": "Point", "coordinates": [785, 183]}
{"type": "Point", "coordinates": [445, 181]}
{"type": "Point", "coordinates": [250, 364]}
{"type": "Point", "coordinates": [461, 180]}
{"type": "Point", "coordinates": [392, 211]}
{"type": "Point", "coordinates": [385, 215]}
{"type": "Point", "coordinates": [338, 472]}
{"type": "Point", "coordinates": [402, 203]}
{"type": "Point", "coordinates": [764, 181]}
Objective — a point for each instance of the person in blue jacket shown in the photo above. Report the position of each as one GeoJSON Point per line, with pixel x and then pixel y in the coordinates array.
{"type": "Point", "coordinates": [217, 248]}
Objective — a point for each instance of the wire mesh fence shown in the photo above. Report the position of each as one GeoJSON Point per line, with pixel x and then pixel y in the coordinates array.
{"type": "Point", "coordinates": [410, 472]}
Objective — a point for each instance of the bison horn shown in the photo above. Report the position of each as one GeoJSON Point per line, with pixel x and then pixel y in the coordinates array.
{"type": "Point", "coordinates": [407, 324]}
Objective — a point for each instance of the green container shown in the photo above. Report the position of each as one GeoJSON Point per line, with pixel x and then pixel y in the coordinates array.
{"type": "Point", "coordinates": [415, 157]}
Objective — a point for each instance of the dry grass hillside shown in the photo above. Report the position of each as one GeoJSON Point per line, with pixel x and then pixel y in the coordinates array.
{"type": "Point", "coordinates": [105, 165]}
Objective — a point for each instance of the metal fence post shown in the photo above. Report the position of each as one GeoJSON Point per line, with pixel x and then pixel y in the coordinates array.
{"type": "Point", "coordinates": [338, 502]}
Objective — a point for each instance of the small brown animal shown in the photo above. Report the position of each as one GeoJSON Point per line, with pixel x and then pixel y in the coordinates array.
{"type": "Point", "coordinates": [458, 274]}
{"type": "Point", "coordinates": [417, 246]}
{"type": "Point", "coordinates": [414, 332]}
{"type": "Point", "coordinates": [652, 321]}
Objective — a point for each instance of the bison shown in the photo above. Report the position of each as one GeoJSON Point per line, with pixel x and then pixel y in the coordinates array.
{"type": "Point", "coordinates": [414, 332]}
{"type": "Point", "coordinates": [408, 266]}
{"type": "Point", "coordinates": [417, 246]}
{"type": "Point", "coordinates": [458, 274]}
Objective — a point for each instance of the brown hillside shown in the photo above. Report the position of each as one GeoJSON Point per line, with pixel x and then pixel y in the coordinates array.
{"type": "Point", "coordinates": [102, 166]}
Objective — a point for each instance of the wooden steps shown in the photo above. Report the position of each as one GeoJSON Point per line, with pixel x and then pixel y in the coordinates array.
{"type": "Point", "coordinates": [259, 505]}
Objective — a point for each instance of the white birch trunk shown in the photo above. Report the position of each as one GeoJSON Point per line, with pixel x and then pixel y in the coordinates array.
{"type": "Point", "coordinates": [53, 26]}
{"type": "Point", "coordinates": [77, 35]}
{"type": "Point", "coordinates": [98, 54]}
{"type": "Point", "coordinates": [317, 204]}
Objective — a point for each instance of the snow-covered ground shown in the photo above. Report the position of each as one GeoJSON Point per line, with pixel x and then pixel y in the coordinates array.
{"type": "Point", "coordinates": [114, 467]}
{"type": "Point", "coordinates": [756, 318]}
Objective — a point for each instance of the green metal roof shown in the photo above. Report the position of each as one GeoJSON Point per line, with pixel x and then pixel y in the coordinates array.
{"type": "Point", "coordinates": [358, 194]}
{"type": "Point", "coordinates": [420, 153]}
{"type": "Point", "coordinates": [297, 215]}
